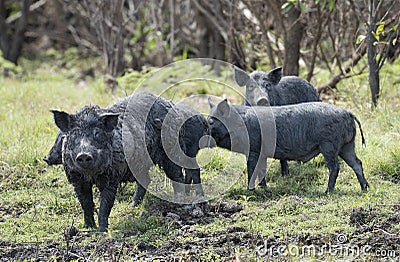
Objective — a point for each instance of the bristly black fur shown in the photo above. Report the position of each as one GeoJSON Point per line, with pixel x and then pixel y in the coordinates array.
{"type": "Point", "coordinates": [302, 132]}
{"type": "Point", "coordinates": [91, 149]}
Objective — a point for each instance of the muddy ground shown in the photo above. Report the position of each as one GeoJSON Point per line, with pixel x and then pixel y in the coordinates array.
{"type": "Point", "coordinates": [369, 241]}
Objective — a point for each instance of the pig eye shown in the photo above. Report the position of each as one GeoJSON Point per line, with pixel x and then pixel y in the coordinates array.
{"type": "Point", "coordinates": [97, 134]}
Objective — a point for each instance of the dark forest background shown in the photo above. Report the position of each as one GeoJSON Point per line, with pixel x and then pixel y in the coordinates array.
{"type": "Point", "coordinates": [299, 35]}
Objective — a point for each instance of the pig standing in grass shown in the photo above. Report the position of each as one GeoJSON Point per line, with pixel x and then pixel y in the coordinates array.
{"type": "Point", "coordinates": [271, 89]}
{"type": "Point", "coordinates": [93, 150]}
{"type": "Point", "coordinates": [302, 132]}
{"type": "Point", "coordinates": [92, 155]}
{"type": "Point", "coordinates": [275, 89]}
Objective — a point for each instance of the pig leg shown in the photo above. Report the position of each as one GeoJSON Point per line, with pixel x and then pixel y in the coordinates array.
{"type": "Point", "coordinates": [194, 175]}
{"type": "Point", "coordinates": [331, 159]}
{"type": "Point", "coordinates": [256, 167]}
{"type": "Point", "coordinates": [188, 180]}
{"type": "Point", "coordinates": [348, 154]}
{"type": "Point", "coordinates": [284, 168]}
{"type": "Point", "coordinates": [141, 188]}
{"type": "Point", "coordinates": [107, 198]}
{"type": "Point", "coordinates": [261, 173]}
{"type": "Point", "coordinates": [84, 194]}
{"type": "Point", "coordinates": [139, 194]}
{"type": "Point", "coordinates": [174, 172]}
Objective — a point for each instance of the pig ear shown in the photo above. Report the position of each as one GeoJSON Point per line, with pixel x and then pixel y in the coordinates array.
{"type": "Point", "coordinates": [241, 77]}
{"type": "Point", "coordinates": [63, 120]}
{"type": "Point", "coordinates": [223, 108]}
{"type": "Point", "coordinates": [275, 75]}
{"type": "Point", "coordinates": [110, 121]}
{"type": "Point", "coordinates": [210, 103]}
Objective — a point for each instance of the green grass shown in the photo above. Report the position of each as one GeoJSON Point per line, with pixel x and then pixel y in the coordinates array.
{"type": "Point", "coordinates": [37, 203]}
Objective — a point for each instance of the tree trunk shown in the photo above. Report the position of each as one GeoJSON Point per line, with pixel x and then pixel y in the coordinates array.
{"type": "Point", "coordinates": [315, 43]}
{"type": "Point", "coordinates": [212, 44]}
{"type": "Point", "coordinates": [12, 51]}
{"type": "Point", "coordinates": [205, 37]}
{"type": "Point", "coordinates": [372, 63]}
{"type": "Point", "coordinates": [293, 37]}
{"type": "Point", "coordinates": [19, 34]}
{"type": "Point", "coordinates": [4, 44]}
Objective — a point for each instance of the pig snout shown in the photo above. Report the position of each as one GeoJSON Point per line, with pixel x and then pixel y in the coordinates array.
{"type": "Point", "coordinates": [263, 101]}
{"type": "Point", "coordinates": [52, 159]}
{"type": "Point", "coordinates": [47, 160]}
{"type": "Point", "coordinates": [85, 160]}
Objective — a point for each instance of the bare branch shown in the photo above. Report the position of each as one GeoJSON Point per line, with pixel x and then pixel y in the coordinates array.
{"type": "Point", "coordinates": [33, 7]}
{"type": "Point", "coordinates": [332, 84]}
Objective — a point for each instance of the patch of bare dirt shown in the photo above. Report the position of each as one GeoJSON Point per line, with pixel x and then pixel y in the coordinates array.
{"type": "Point", "coordinates": [373, 229]}
{"type": "Point", "coordinates": [186, 243]}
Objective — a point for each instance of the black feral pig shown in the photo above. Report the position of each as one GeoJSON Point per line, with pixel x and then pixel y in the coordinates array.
{"type": "Point", "coordinates": [271, 89]}
{"type": "Point", "coordinates": [54, 156]}
{"type": "Point", "coordinates": [93, 150]}
{"type": "Point", "coordinates": [293, 132]}
{"type": "Point", "coordinates": [278, 90]}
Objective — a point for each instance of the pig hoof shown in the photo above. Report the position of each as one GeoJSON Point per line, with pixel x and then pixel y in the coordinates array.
{"type": "Point", "coordinates": [365, 187]}
{"type": "Point", "coordinates": [179, 198]}
{"type": "Point", "coordinates": [102, 229]}
{"type": "Point", "coordinates": [200, 193]}
{"type": "Point", "coordinates": [135, 202]}
{"type": "Point", "coordinates": [200, 199]}
{"type": "Point", "coordinates": [187, 189]}
{"type": "Point", "coordinates": [89, 225]}
{"type": "Point", "coordinates": [328, 191]}
{"type": "Point", "coordinates": [263, 185]}
{"type": "Point", "coordinates": [199, 190]}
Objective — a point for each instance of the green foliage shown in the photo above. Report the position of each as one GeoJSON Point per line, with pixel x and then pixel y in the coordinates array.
{"type": "Point", "coordinates": [381, 32]}
{"type": "Point", "coordinates": [381, 35]}
{"type": "Point", "coordinates": [8, 68]}
{"type": "Point", "coordinates": [388, 166]}
{"type": "Point", "coordinates": [331, 4]}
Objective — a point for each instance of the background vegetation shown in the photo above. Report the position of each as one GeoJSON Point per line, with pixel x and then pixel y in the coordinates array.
{"type": "Point", "coordinates": [318, 35]}
{"type": "Point", "coordinates": [64, 64]}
